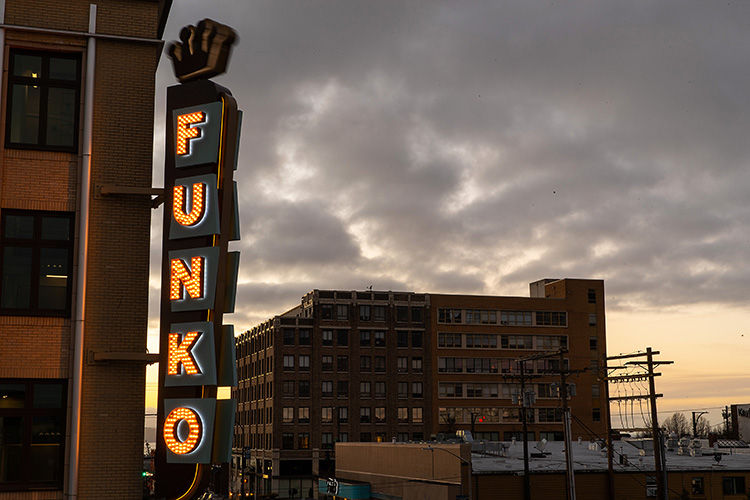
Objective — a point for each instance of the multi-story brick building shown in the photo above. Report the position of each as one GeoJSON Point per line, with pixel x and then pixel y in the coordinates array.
{"type": "Point", "coordinates": [75, 211]}
{"type": "Point", "coordinates": [382, 366]}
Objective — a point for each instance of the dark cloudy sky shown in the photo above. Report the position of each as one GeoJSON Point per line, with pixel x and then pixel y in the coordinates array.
{"type": "Point", "coordinates": [473, 147]}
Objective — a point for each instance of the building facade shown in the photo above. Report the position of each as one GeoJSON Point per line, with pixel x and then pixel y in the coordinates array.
{"type": "Point", "coordinates": [75, 212]}
{"type": "Point", "coordinates": [403, 366]}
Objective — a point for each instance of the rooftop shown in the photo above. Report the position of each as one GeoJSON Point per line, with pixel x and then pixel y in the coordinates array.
{"type": "Point", "coordinates": [590, 457]}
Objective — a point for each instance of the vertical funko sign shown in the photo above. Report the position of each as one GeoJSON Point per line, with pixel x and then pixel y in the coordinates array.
{"type": "Point", "coordinates": [199, 274]}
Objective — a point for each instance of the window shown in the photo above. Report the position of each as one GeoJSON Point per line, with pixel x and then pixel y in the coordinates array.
{"type": "Point", "coordinates": [342, 337]}
{"type": "Point", "coordinates": [516, 341]}
{"type": "Point", "coordinates": [550, 414]}
{"type": "Point", "coordinates": [379, 337]}
{"type": "Point", "coordinates": [483, 341]}
{"type": "Point", "coordinates": [551, 318]}
{"type": "Point", "coordinates": [342, 388]}
{"type": "Point", "coordinates": [416, 339]}
{"type": "Point", "coordinates": [43, 101]}
{"type": "Point", "coordinates": [364, 313]}
{"type": "Point", "coordinates": [343, 437]}
{"type": "Point", "coordinates": [402, 339]}
{"type": "Point", "coordinates": [402, 314]}
{"type": "Point", "coordinates": [450, 390]}
{"type": "Point", "coordinates": [304, 362]}
{"type": "Point", "coordinates": [592, 296]}
{"type": "Point", "coordinates": [342, 311]}
{"type": "Point", "coordinates": [449, 340]}
{"type": "Point", "coordinates": [365, 437]}
{"type": "Point", "coordinates": [326, 337]}
{"type": "Point", "coordinates": [304, 440]}
{"type": "Point", "coordinates": [416, 415]}
{"type": "Point", "coordinates": [697, 487]}
{"type": "Point", "coordinates": [515, 318]}
{"type": "Point", "coordinates": [342, 363]}
{"type": "Point", "coordinates": [596, 414]}
{"type": "Point", "coordinates": [287, 441]}
{"type": "Point", "coordinates": [326, 363]}
{"type": "Point", "coordinates": [380, 415]}
{"type": "Point", "coordinates": [364, 415]}
{"type": "Point", "coordinates": [595, 391]}
{"type": "Point", "coordinates": [288, 362]}
{"type": "Point", "coordinates": [32, 432]}
{"type": "Point", "coordinates": [365, 389]}
{"type": "Point", "coordinates": [304, 337]}
{"type": "Point", "coordinates": [365, 363]}
{"type": "Point", "coordinates": [403, 414]}
{"type": "Point", "coordinates": [326, 440]}
{"type": "Point", "coordinates": [416, 365]}
{"type": "Point", "coordinates": [287, 414]}
{"type": "Point", "coordinates": [450, 365]}
{"type": "Point", "coordinates": [327, 388]}
{"type": "Point", "coordinates": [288, 334]}
{"type": "Point", "coordinates": [403, 437]}
{"type": "Point", "coordinates": [592, 319]}
{"type": "Point", "coordinates": [303, 414]}
{"type": "Point", "coordinates": [417, 436]}
{"type": "Point", "coordinates": [304, 388]}
{"type": "Point", "coordinates": [380, 389]}
{"type": "Point", "coordinates": [733, 485]}
{"type": "Point", "coordinates": [379, 363]}
{"type": "Point", "coordinates": [326, 414]}
{"type": "Point", "coordinates": [446, 315]}
{"type": "Point", "coordinates": [364, 338]}
{"type": "Point", "coordinates": [551, 435]}
{"type": "Point", "coordinates": [380, 437]}
{"type": "Point", "coordinates": [326, 311]}
{"type": "Point", "coordinates": [287, 388]}
{"type": "Point", "coordinates": [402, 364]}
{"type": "Point", "coordinates": [343, 414]}
{"type": "Point", "coordinates": [378, 313]}
{"type": "Point", "coordinates": [416, 315]}
{"type": "Point", "coordinates": [592, 343]}
{"type": "Point", "coordinates": [403, 389]}
{"type": "Point", "coordinates": [36, 261]}
{"type": "Point", "coordinates": [416, 389]}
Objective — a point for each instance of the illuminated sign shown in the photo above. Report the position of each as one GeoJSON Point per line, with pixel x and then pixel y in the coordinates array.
{"type": "Point", "coordinates": [171, 433]}
{"type": "Point", "coordinates": [186, 130]}
{"type": "Point", "coordinates": [197, 134]}
{"type": "Point", "coordinates": [192, 278]}
{"type": "Point", "coordinates": [191, 355]}
{"type": "Point", "coordinates": [195, 207]}
{"type": "Point", "coordinates": [188, 429]}
{"type": "Point", "coordinates": [199, 274]}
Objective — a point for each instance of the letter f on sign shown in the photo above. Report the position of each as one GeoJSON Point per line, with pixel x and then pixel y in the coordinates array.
{"type": "Point", "coordinates": [186, 132]}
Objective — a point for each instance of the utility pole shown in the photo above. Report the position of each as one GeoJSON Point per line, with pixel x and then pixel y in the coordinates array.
{"type": "Point", "coordinates": [725, 415]}
{"type": "Point", "coordinates": [652, 396]}
{"type": "Point", "coordinates": [695, 421]}
{"type": "Point", "coordinates": [524, 401]}
{"type": "Point", "coordinates": [570, 476]}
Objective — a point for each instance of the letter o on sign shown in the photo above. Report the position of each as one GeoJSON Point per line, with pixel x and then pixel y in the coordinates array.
{"type": "Point", "coordinates": [195, 430]}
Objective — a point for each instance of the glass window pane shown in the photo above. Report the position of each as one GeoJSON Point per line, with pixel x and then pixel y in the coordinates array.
{"type": "Point", "coordinates": [16, 291]}
{"type": "Point", "coordinates": [61, 112]}
{"type": "Point", "coordinates": [10, 448]}
{"type": "Point", "coordinates": [19, 226]}
{"type": "Point", "coordinates": [63, 68]}
{"type": "Point", "coordinates": [12, 395]}
{"type": "Point", "coordinates": [55, 228]}
{"type": "Point", "coordinates": [53, 278]}
{"type": "Point", "coordinates": [48, 396]}
{"type": "Point", "coordinates": [24, 119]}
{"type": "Point", "coordinates": [46, 447]}
{"type": "Point", "coordinates": [27, 65]}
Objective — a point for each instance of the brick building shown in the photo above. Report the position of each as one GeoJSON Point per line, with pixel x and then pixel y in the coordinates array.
{"type": "Point", "coordinates": [382, 366]}
{"type": "Point", "coordinates": [75, 211]}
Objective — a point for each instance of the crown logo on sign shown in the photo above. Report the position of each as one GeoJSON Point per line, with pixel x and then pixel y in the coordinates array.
{"type": "Point", "coordinates": [203, 51]}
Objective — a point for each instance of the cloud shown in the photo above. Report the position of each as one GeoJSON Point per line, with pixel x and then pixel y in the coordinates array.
{"type": "Point", "coordinates": [474, 148]}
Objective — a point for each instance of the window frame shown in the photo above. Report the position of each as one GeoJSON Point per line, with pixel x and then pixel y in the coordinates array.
{"type": "Point", "coordinates": [37, 244]}
{"type": "Point", "coordinates": [45, 84]}
{"type": "Point", "coordinates": [27, 413]}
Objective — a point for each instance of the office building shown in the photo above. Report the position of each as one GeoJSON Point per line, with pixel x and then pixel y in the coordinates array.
{"type": "Point", "coordinates": [402, 366]}
{"type": "Point", "coordinates": [75, 214]}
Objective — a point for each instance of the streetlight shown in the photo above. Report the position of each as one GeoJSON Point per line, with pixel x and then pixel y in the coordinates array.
{"type": "Point", "coordinates": [695, 421]}
{"type": "Point", "coordinates": [463, 462]}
